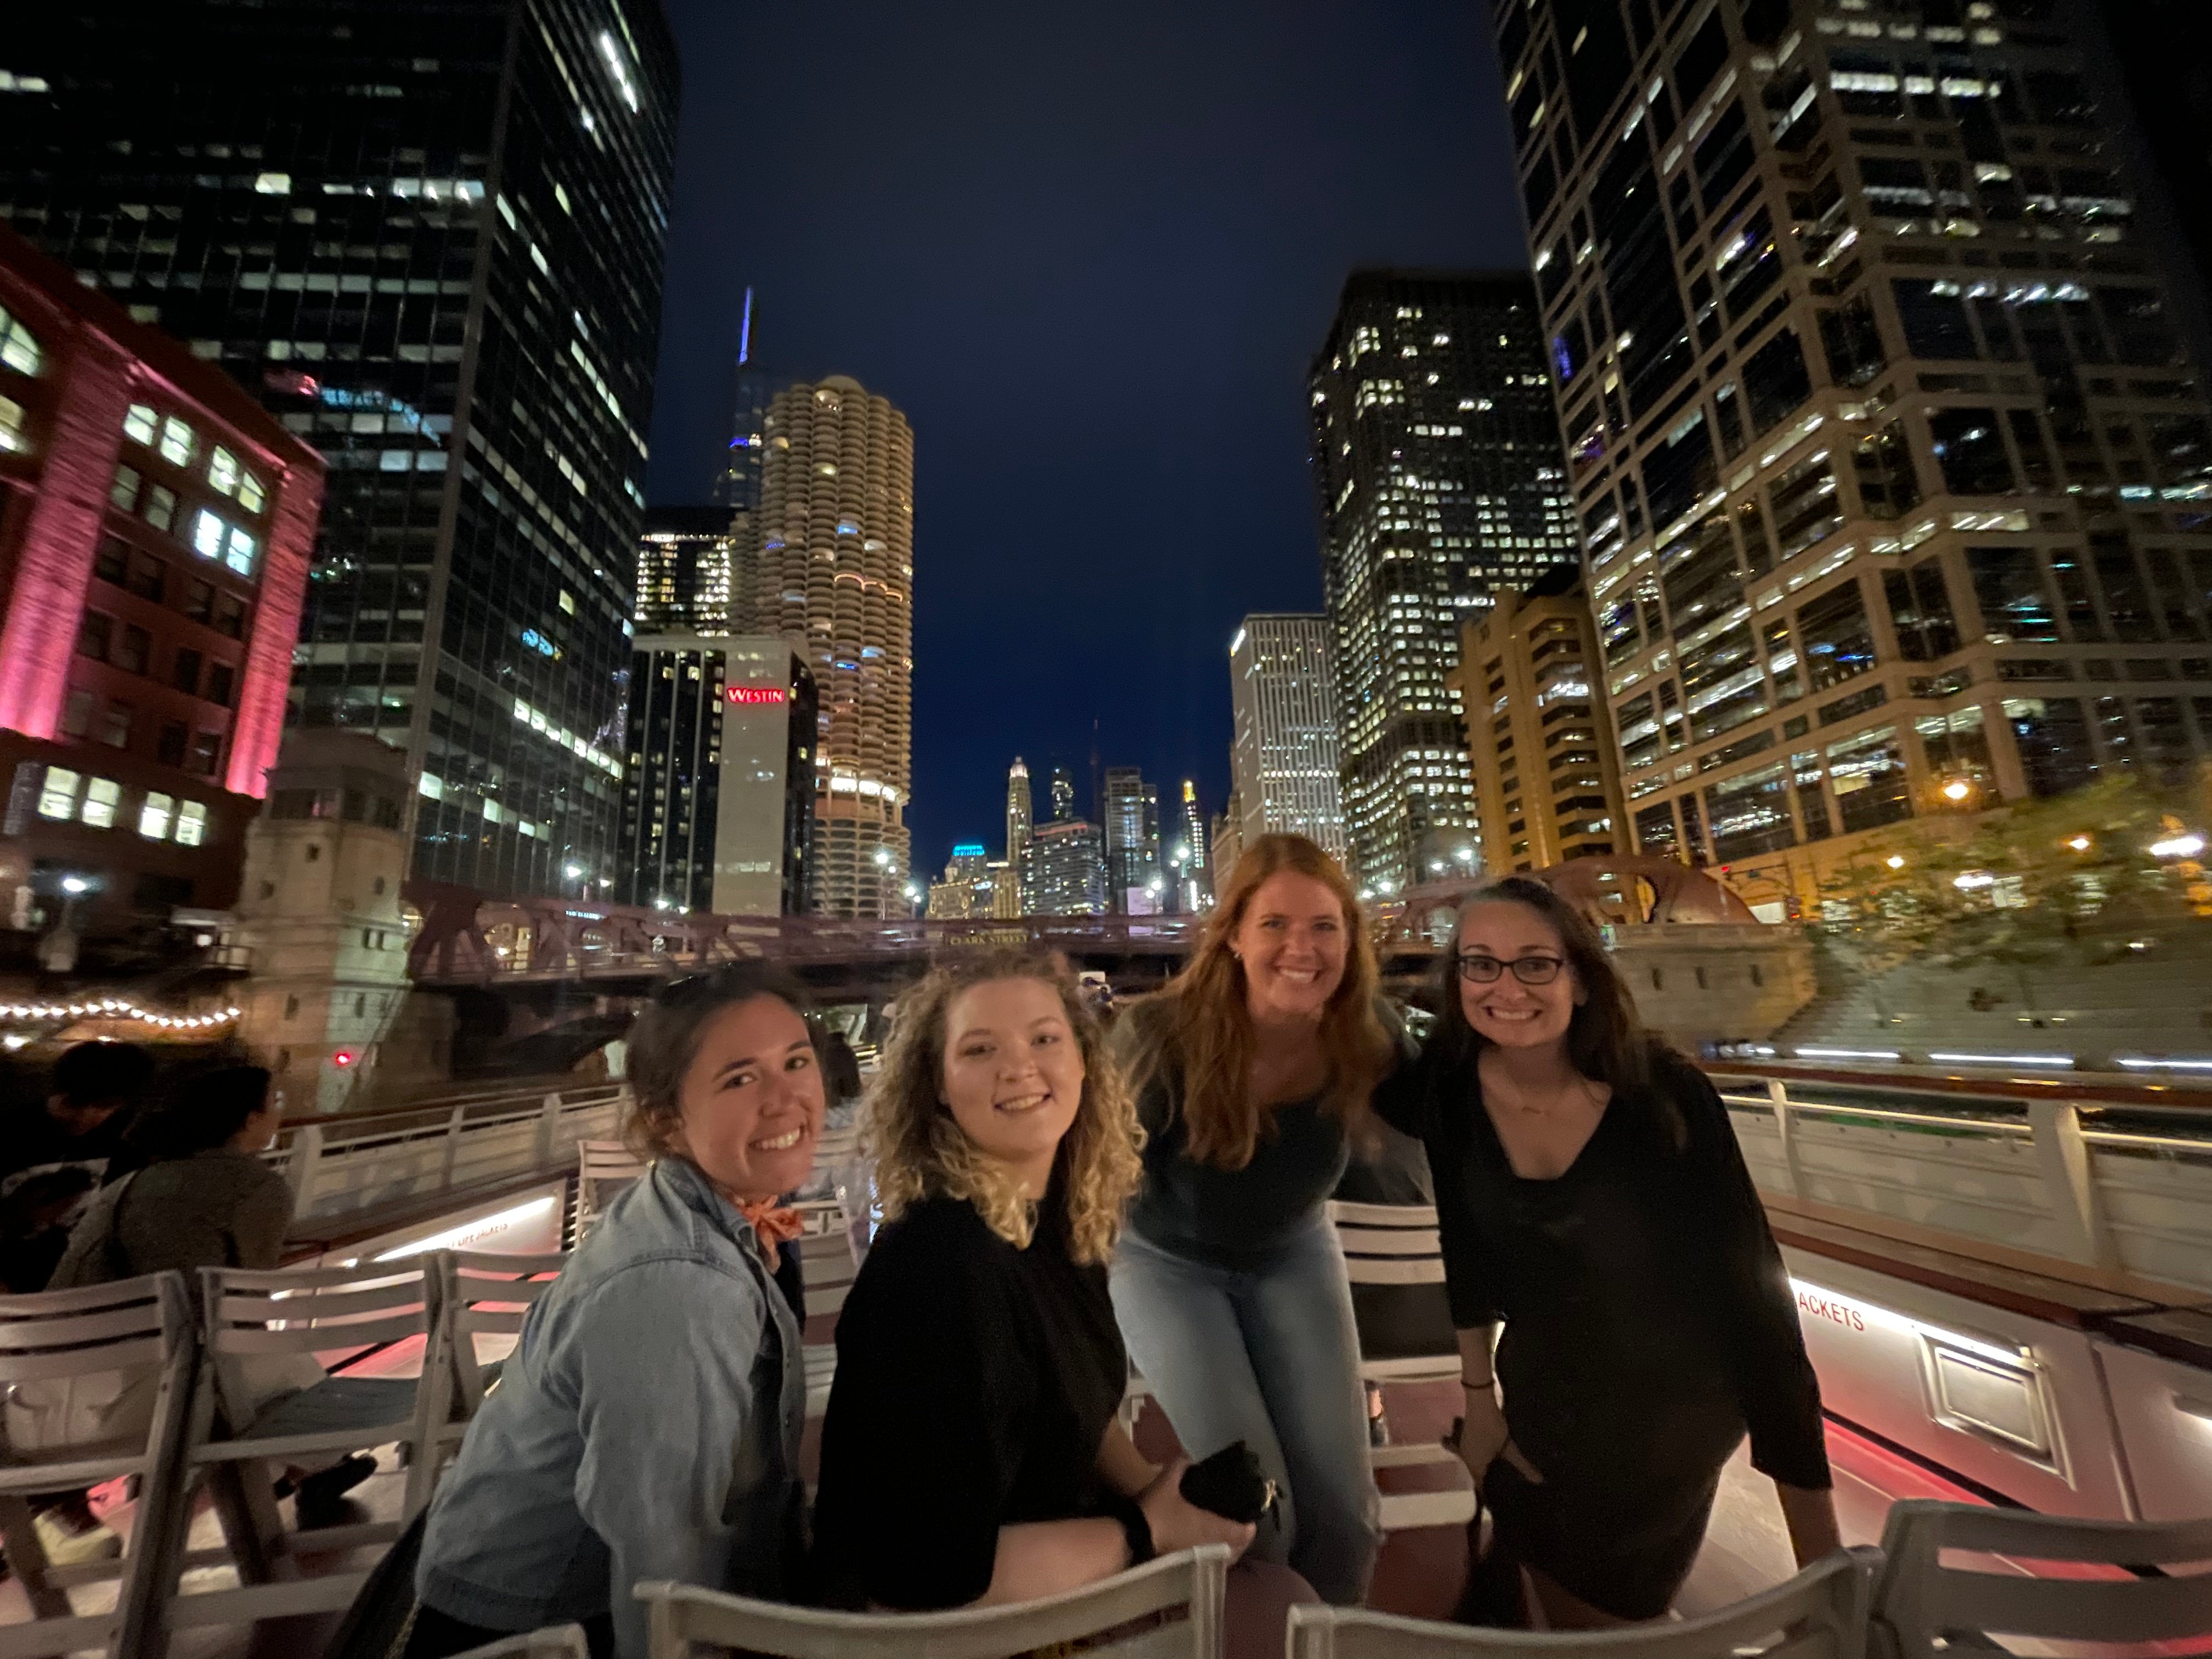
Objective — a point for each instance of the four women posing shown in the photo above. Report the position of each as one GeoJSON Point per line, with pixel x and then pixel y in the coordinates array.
{"type": "Point", "coordinates": [1590, 1197]}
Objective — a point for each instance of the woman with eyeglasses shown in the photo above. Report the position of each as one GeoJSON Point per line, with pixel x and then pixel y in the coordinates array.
{"type": "Point", "coordinates": [1255, 1069]}
{"type": "Point", "coordinates": [648, 1426]}
{"type": "Point", "coordinates": [1591, 1199]}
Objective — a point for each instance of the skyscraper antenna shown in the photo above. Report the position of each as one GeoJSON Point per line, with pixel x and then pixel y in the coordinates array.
{"type": "Point", "coordinates": [745, 329]}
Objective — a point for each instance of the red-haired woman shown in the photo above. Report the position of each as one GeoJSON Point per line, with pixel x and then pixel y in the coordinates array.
{"type": "Point", "coordinates": [1255, 1070]}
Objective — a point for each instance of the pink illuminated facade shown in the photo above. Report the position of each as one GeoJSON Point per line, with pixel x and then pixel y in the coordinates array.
{"type": "Point", "coordinates": [156, 525]}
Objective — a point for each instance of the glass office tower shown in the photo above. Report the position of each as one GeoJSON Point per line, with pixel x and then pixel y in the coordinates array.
{"type": "Point", "coordinates": [1892, 465]}
{"type": "Point", "coordinates": [428, 237]}
{"type": "Point", "coordinates": [1437, 467]}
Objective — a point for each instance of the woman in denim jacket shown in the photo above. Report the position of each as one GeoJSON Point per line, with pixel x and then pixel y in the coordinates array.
{"type": "Point", "coordinates": [648, 1426]}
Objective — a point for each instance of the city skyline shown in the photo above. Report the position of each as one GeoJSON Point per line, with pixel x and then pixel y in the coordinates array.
{"type": "Point", "coordinates": [999, 180]}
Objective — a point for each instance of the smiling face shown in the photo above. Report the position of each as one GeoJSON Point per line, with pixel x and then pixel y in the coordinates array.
{"type": "Point", "coordinates": [1013, 1072]}
{"type": "Point", "coordinates": [1293, 942]}
{"type": "Point", "coordinates": [750, 1105]}
{"type": "Point", "coordinates": [1503, 1010]}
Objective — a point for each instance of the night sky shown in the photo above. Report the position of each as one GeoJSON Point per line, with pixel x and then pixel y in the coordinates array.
{"type": "Point", "coordinates": [1090, 252]}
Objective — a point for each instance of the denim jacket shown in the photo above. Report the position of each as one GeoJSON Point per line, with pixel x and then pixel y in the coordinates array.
{"type": "Point", "coordinates": [648, 1426]}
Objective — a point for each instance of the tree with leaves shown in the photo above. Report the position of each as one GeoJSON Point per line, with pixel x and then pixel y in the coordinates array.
{"type": "Point", "coordinates": [2064, 881]}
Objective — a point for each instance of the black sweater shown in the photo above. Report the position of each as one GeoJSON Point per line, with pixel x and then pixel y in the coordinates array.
{"type": "Point", "coordinates": [1644, 1271]}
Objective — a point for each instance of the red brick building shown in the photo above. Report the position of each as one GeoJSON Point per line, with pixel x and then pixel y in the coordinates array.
{"type": "Point", "coordinates": [155, 527]}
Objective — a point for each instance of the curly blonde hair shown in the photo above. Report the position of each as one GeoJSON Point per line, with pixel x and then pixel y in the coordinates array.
{"type": "Point", "coordinates": [921, 1152]}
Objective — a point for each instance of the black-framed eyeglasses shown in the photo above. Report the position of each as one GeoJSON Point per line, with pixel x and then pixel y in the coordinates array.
{"type": "Point", "coordinates": [1529, 970]}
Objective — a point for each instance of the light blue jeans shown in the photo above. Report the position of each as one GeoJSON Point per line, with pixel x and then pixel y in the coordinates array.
{"type": "Point", "coordinates": [1268, 1356]}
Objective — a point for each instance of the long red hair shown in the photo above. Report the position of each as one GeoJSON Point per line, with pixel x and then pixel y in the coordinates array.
{"type": "Point", "coordinates": [1208, 1040]}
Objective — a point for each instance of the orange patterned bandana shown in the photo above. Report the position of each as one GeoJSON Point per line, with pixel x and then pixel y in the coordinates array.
{"type": "Point", "coordinates": [773, 1225]}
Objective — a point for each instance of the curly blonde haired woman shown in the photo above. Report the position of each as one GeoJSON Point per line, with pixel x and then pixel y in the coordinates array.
{"type": "Point", "coordinates": [971, 1453]}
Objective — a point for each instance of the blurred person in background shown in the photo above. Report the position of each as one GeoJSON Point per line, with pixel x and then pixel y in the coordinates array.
{"type": "Point", "coordinates": [55, 1150]}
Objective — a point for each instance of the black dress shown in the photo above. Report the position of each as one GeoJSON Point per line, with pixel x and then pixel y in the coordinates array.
{"type": "Point", "coordinates": [1648, 1323]}
{"type": "Point", "coordinates": [975, 1384]}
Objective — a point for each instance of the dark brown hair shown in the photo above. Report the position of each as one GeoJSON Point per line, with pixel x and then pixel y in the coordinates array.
{"type": "Point", "coordinates": [664, 1039]}
{"type": "Point", "coordinates": [1208, 1037]}
{"type": "Point", "coordinates": [1607, 1041]}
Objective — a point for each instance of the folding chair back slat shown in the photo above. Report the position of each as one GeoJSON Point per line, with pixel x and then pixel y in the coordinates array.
{"type": "Point", "coordinates": [689, 1622]}
{"type": "Point", "coordinates": [1822, 1613]}
{"type": "Point", "coordinates": [325, 1308]}
{"type": "Point", "coordinates": [232, 1341]}
{"type": "Point", "coordinates": [1921, 1605]}
{"type": "Point", "coordinates": [557, 1642]}
{"type": "Point", "coordinates": [98, 1382]}
{"type": "Point", "coordinates": [129, 1351]}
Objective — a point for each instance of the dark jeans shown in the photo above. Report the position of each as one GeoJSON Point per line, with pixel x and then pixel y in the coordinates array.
{"type": "Point", "coordinates": [438, 1635]}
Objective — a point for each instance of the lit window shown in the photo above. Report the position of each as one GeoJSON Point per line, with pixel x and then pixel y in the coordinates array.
{"type": "Point", "coordinates": [207, 534]}
{"type": "Point", "coordinates": [222, 471]}
{"type": "Point", "coordinates": [19, 350]}
{"type": "Point", "coordinates": [177, 441]}
{"type": "Point", "coordinates": [124, 491]}
{"type": "Point", "coordinates": [191, 823]}
{"type": "Point", "coordinates": [11, 424]}
{"type": "Point", "coordinates": [57, 795]}
{"type": "Point", "coordinates": [139, 424]}
{"type": "Point", "coordinates": [239, 553]}
{"type": "Point", "coordinates": [102, 797]}
{"type": "Point", "coordinates": [154, 817]}
{"type": "Point", "coordinates": [272, 184]}
{"type": "Point", "coordinates": [160, 507]}
{"type": "Point", "coordinates": [250, 496]}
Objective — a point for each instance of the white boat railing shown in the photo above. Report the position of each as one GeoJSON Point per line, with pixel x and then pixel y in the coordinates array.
{"type": "Point", "coordinates": [2117, 1180]}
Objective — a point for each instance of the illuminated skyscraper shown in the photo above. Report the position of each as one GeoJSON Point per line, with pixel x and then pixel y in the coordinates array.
{"type": "Point", "coordinates": [1437, 465]}
{"type": "Point", "coordinates": [1018, 818]}
{"type": "Point", "coordinates": [1188, 858]}
{"type": "Point", "coordinates": [1284, 755]}
{"type": "Point", "coordinates": [1063, 794]}
{"type": "Point", "coordinates": [1066, 872]}
{"type": "Point", "coordinates": [688, 565]}
{"type": "Point", "coordinates": [834, 576]}
{"type": "Point", "coordinates": [1547, 772]}
{"type": "Point", "coordinates": [1892, 461]}
{"type": "Point", "coordinates": [428, 237]}
{"type": "Point", "coordinates": [738, 485]}
{"type": "Point", "coordinates": [1132, 811]}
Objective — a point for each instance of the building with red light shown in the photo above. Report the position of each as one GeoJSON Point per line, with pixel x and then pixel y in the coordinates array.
{"type": "Point", "coordinates": [154, 528]}
{"type": "Point", "coordinates": [718, 798]}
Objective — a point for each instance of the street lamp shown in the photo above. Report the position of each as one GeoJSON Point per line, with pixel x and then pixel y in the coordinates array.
{"type": "Point", "coordinates": [1895, 861]}
{"type": "Point", "coordinates": [1958, 791]}
{"type": "Point", "coordinates": [2184, 846]}
{"type": "Point", "coordinates": [2080, 843]}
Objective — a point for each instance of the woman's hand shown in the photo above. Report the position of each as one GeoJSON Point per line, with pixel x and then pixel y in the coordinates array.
{"type": "Point", "coordinates": [1482, 1433]}
{"type": "Point", "coordinates": [1179, 1524]}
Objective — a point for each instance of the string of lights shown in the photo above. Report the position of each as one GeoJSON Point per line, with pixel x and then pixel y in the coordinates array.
{"type": "Point", "coordinates": [115, 1008]}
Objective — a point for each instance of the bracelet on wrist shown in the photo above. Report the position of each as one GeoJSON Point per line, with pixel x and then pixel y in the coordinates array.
{"type": "Point", "coordinates": [1483, 1387]}
{"type": "Point", "coordinates": [1136, 1530]}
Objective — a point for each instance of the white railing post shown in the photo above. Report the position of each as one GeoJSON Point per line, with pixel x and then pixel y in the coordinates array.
{"type": "Point", "coordinates": [2062, 1156]}
{"type": "Point", "coordinates": [452, 1147]}
{"type": "Point", "coordinates": [1786, 1127]}
{"type": "Point", "coordinates": [300, 1167]}
{"type": "Point", "coordinates": [549, 1128]}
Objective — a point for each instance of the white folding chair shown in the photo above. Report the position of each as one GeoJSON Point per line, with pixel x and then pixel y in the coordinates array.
{"type": "Point", "coordinates": [827, 1269]}
{"type": "Point", "coordinates": [1397, 1244]}
{"type": "Point", "coordinates": [1822, 1613]}
{"type": "Point", "coordinates": [253, 1323]}
{"type": "Point", "coordinates": [1921, 1607]}
{"type": "Point", "coordinates": [554, 1642]}
{"type": "Point", "coordinates": [94, 1385]}
{"type": "Point", "coordinates": [603, 1167]}
{"type": "Point", "coordinates": [1115, 1619]}
{"type": "Point", "coordinates": [486, 1298]}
